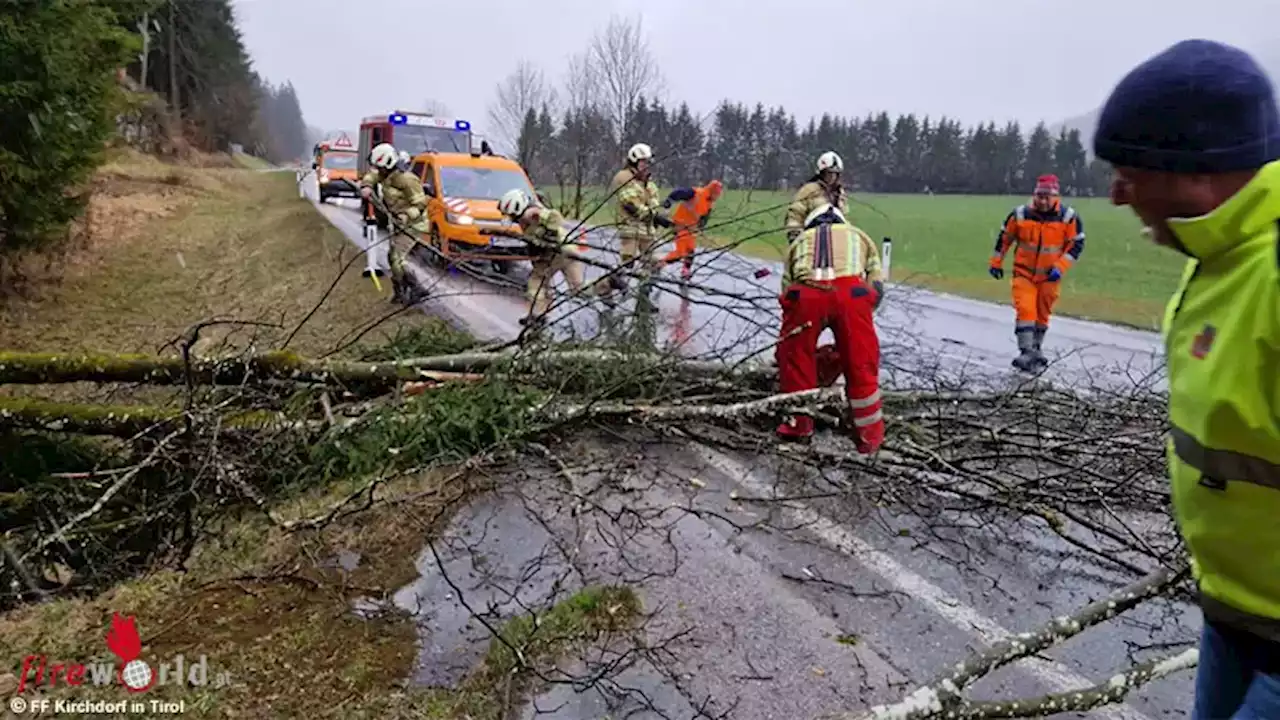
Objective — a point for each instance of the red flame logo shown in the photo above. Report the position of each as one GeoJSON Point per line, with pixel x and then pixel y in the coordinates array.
{"type": "Point", "coordinates": [124, 642]}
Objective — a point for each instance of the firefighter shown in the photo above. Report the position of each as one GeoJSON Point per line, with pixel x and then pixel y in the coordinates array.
{"type": "Point", "coordinates": [1193, 135]}
{"type": "Point", "coordinates": [832, 280]}
{"type": "Point", "coordinates": [403, 197]}
{"type": "Point", "coordinates": [689, 217]}
{"type": "Point", "coordinates": [824, 188]}
{"type": "Point", "coordinates": [637, 215]}
{"type": "Point", "coordinates": [551, 253]}
{"type": "Point", "coordinates": [1050, 238]}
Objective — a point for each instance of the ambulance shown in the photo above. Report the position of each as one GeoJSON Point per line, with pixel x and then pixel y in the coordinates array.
{"type": "Point", "coordinates": [335, 165]}
{"type": "Point", "coordinates": [412, 133]}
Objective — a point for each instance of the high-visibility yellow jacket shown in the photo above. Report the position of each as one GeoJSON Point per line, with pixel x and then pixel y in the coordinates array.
{"type": "Point", "coordinates": [1222, 345]}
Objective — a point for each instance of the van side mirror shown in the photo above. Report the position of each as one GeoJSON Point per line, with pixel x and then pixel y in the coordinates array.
{"type": "Point", "coordinates": [429, 188]}
{"type": "Point", "coordinates": [314, 165]}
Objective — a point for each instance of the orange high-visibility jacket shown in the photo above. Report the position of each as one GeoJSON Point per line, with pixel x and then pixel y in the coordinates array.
{"type": "Point", "coordinates": [693, 205]}
{"type": "Point", "coordinates": [1044, 241]}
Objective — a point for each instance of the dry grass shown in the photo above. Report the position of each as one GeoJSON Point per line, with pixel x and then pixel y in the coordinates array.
{"type": "Point", "coordinates": [171, 246]}
{"type": "Point", "coordinates": [168, 247]}
{"type": "Point", "coordinates": [272, 610]}
{"type": "Point", "coordinates": [274, 613]}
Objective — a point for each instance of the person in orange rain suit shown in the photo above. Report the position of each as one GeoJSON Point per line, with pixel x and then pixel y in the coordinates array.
{"type": "Point", "coordinates": [689, 217]}
{"type": "Point", "coordinates": [1049, 237]}
{"type": "Point", "coordinates": [832, 280]}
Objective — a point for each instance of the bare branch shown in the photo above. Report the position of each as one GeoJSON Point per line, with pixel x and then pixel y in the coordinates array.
{"type": "Point", "coordinates": [524, 89]}
{"type": "Point", "coordinates": [623, 69]}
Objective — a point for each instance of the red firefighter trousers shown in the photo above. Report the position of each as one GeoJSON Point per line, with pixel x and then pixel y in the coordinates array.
{"type": "Point", "coordinates": [844, 305]}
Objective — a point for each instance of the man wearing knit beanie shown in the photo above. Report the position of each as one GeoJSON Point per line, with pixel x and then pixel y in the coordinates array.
{"type": "Point", "coordinates": [1049, 238]}
{"type": "Point", "coordinates": [1194, 137]}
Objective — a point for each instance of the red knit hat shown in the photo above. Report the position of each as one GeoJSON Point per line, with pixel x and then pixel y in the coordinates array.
{"type": "Point", "coordinates": [1047, 183]}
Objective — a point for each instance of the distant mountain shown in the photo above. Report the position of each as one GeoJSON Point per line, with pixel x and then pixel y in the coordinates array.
{"type": "Point", "coordinates": [1087, 123]}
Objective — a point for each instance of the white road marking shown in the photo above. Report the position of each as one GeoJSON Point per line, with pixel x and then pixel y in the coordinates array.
{"type": "Point", "coordinates": [1053, 674]}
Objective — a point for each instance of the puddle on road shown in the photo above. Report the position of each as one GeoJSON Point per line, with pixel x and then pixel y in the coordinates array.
{"type": "Point", "coordinates": [496, 561]}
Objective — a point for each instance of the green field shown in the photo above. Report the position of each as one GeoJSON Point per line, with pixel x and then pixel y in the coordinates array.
{"type": "Point", "coordinates": [943, 242]}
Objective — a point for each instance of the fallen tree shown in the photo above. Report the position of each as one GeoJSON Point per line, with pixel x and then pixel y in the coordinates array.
{"type": "Point", "coordinates": [241, 426]}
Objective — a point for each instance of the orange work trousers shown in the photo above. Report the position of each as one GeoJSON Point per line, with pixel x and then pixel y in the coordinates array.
{"type": "Point", "coordinates": [1033, 302]}
{"type": "Point", "coordinates": [686, 244]}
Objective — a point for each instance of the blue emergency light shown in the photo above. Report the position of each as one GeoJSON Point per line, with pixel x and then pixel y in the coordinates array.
{"type": "Point", "coordinates": [397, 119]}
{"type": "Point", "coordinates": [462, 125]}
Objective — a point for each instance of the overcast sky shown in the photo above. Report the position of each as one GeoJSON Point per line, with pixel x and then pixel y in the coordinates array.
{"type": "Point", "coordinates": [990, 59]}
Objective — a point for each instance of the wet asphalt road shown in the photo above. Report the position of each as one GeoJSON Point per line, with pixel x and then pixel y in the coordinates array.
{"type": "Point", "coordinates": [782, 609]}
{"type": "Point", "coordinates": [728, 313]}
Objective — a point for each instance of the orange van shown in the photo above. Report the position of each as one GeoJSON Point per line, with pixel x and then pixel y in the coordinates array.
{"type": "Point", "coordinates": [334, 163]}
{"type": "Point", "coordinates": [462, 201]}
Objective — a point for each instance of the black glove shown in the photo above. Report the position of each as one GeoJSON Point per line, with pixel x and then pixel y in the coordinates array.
{"type": "Point", "coordinates": [702, 221]}
{"type": "Point", "coordinates": [879, 286]}
{"type": "Point", "coordinates": [996, 272]}
{"type": "Point", "coordinates": [662, 220]}
{"type": "Point", "coordinates": [666, 203]}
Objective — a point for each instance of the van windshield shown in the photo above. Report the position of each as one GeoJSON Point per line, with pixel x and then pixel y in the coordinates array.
{"type": "Point", "coordinates": [415, 139]}
{"type": "Point", "coordinates": [481, 183]}
{"type": "Point", "coordinates": [338, 161]}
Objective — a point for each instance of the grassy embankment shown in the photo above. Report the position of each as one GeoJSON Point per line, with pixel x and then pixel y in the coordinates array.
{"type": "Point", "coordinates": [942, 242]}
{"type": "Point", "coordinates": [170, 246]}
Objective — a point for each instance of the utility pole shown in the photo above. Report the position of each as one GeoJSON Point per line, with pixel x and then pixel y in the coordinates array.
{"type": "Point", "coordinates": [173, 64]}
{"type": "Point", "coordinates": [144, 28]}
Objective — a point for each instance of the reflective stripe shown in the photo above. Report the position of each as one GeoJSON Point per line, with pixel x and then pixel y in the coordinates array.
{"type": "Point", "coordinates": [1218, 611]}
{"type": "Point", "coordinates": [1032, 247]}
{"type": "Point", "coordinates": [866, 402]}
{"type": "Point", "coordinates": [1224, 465]}
{"type": "Point", "coordinates": [871, 419]}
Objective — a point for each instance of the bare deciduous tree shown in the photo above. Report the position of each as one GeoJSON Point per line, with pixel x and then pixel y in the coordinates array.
{"type": "Point", "coordinates": [622, 69]}
{"type": "Point", "coordinates": [582, 97]}
{"type": "Point", "coordinates": [524, 89]}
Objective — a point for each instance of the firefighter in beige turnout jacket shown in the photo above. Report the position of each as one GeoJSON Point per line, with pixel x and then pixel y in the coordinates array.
{"type": "Point", "coordinates": [549, 248]}
{"type": "Point", "coordinates": [637, 217]}
{"type": "Point", "coordinates": [404, 199]}
{"type": "Point", "coordinates": [824, 188]}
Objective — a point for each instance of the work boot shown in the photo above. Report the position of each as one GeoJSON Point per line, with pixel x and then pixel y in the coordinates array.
{"type": "Point", "coordinates": [404, 292]}
{"type": "Point", "coordinates": [828, 361]}
{"type": "Point", "coordinates": [797, 428]}
{"type": "Point", "coordinates": [1037, 341]}
{"type": "Point", "coordinates": [1026, 359]}
{"type": "Point", "coordinates": [869, 439]}
{"type": "Point", "coordinates": [651, 301]}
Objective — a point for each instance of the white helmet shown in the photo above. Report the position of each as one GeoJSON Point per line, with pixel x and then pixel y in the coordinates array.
{"type": "Point", "coordinates": [404, 157]}
{"type": "Point", "coordinates": [384, 156]}
{"type": "Point", "coordinates": [822, 210]}
{"type": "Point", "coordinates": [513, 203]}
{"type": "Point", "coordinates": [638, 152]}
{"type": "Point", "coordinates": [830, 161]}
